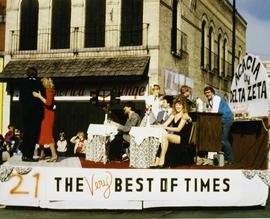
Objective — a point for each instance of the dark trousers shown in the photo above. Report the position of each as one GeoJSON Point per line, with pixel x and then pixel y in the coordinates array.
{"type": "Point", "coordinates": [31, 129]}
{"type": "Point", "coordinates": [225, 143]}
{"type": "Point", "coordinates": [117, 147]}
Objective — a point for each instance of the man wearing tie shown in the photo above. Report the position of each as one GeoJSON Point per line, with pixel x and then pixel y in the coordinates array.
{"type": "Point", "coordinates": [166, 111]}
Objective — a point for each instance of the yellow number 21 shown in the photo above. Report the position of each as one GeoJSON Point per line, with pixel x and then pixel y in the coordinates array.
{"type": "Point", "coordinates": [15, 189]}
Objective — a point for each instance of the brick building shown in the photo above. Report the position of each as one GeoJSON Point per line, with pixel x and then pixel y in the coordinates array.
{"type": "Point", "coordinates": [113, 48]}
{"type": "Point", "coordinates": [2, 49]}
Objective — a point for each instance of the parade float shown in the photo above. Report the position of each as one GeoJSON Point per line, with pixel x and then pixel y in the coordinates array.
{"type": "Point", "coordinates": [97, 183]}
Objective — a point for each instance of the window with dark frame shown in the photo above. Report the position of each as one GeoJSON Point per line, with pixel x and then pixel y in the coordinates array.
{"type": "Point", "coordinates": [219, 54]}
{"type": "Point", "coordinates": [131, 23]}
{"type": "Point", "coordinates": [239, 56]}
{"type": "Point", "coordinates": [60, 32]}
{"type": "Point", "coordinates": [28, 25]}
{"type": "Point", "coordinates": [224, 57]}
{"type": "Point", "coordinates": [203, 44]}
{"type": "Point", "coordinates": [95, 14]}
{"type": "Point", "coordinates": [210, 49]}
{"type": "Point", "coordinates": [174, 28]}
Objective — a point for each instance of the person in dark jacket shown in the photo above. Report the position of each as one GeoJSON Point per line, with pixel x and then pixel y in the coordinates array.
{"type": "Point", "coordinates": [32, 113]}
{"type": "Point", "coordinates": [122, 139]}
{"type": "Point", "coordinates": [166, 111]}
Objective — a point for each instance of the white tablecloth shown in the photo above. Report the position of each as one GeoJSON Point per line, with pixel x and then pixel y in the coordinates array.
{"type": "Point", "coordinates": [140, 133]}
{"type": "Point", "coordinates": [102, 130]}
{"type": "Point", "coordinates": [99, 136]}
{"type": "Point", "coordinates": [144, 143]}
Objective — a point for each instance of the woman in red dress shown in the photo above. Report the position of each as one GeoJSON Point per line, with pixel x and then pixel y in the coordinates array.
{"type": "Point", "coordinates": [46, 130]}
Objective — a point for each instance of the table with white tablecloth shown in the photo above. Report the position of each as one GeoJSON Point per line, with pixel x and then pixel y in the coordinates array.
{"type": "Point", "coordinates": [99, 136]}
{"type": "Point", "coordinates": [144, 143]}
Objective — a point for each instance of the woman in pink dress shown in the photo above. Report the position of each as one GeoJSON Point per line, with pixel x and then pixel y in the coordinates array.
{"type": "Point", "coordinates": [46, 130]}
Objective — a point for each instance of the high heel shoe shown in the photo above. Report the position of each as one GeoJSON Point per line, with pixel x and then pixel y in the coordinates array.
{"type": "Point", "coordinates": [52, 160]}
{"type": "Point", "coordinates": [156, 164]}
{"type": "Point", "coordinates": [161, 164]}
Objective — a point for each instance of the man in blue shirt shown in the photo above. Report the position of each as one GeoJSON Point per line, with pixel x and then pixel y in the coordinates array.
{"type": "Point", "coordinates": [217, 104]}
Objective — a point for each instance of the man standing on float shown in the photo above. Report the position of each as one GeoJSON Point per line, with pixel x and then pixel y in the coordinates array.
{"type": "Point", "coordinates": [217, 104]}
{"type": "Point", "coordinates": [32, 113]}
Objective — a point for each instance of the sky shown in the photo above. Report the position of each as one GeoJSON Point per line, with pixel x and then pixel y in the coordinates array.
{"type": "Point", "coordinates": [257, 15]}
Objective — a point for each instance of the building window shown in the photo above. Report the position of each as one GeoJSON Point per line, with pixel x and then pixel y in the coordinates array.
{"type": "Point", "coordinates": [28, 25]}
{"type": "Point", "coordinates": [95, 12]}
{"type": "Point", "coordinates": [219, 59]}
{"type": "Point", "coordinates": [60, 33]}
{"type": "Point", "coordinates": [224, 73]}
{"type": "Point", "coordinates": [239, 56]}
{"type": "Point", "coordinates": [193, 4]}
{"type": "Point", "coordinates": [174, 28]}
{"type": "Point", "coordinates": [2, 18]}
{"type": "Point", "coordinates": [203, 44]}
{"type": "Point", "coordinates": [131, 22]}
{"type": "Point", "coordinates": [210, 53]}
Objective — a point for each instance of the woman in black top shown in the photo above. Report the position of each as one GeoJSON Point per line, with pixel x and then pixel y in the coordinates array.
{"type": "Point", "coordinates": [175, 127]}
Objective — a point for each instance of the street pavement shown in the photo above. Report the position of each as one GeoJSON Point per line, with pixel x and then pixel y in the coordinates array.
{"type": "Point", "coordinates": [192, 212]}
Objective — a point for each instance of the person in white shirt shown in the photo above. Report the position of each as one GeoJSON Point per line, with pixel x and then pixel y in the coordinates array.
{"type": "Point", "coordinates": [154, 100]}
{"type": "Point", "coordinates": [61, 145]}
{"type": "Point", "coordinates": [217, 104]}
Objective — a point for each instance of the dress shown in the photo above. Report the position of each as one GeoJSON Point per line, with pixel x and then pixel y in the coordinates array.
{"type": "Point", "coordinates": [184, 133]}
{"type": "Point", "coordinates": [46, 130]}
{"type": "Point", "coordinates": [183, 153]}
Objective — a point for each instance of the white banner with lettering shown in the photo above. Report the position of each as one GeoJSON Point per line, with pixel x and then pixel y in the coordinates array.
{"type": "Point", "coordinates": [250, 88]}
{"type": "Point", "coordinates": [187, 187]}
{"type": "Point", "coordinates": [174, 80]}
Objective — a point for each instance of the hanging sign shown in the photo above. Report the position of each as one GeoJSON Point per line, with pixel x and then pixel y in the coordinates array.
{"type": "Point", "coordinates": [250, 88]}
{"type": "Point", "coordinates": [174, 81]}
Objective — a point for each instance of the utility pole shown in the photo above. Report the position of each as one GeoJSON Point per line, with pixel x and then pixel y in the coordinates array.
{"type": "Point", "coordinates": [233, 37]}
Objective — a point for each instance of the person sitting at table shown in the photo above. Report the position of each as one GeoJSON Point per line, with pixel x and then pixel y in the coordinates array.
{"type": "Point", "coordinates": [122, 139]}
{"type": "Point", "coordinates": [177, 126]}
{"type": "Point", "coordinates": [166, 111]}
{"type": "Point", "coordinates": [80, 144]}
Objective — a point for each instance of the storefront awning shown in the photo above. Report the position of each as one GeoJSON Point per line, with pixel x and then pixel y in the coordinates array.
{"type": "Point", "coordinates": [78, 68]}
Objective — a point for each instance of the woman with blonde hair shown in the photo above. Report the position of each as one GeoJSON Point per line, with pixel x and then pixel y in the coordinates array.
{"type": "Point", "coordinates": [46, 130]}
{"type": "Point", "coordinates": [80, 144]}
{"type": "Point", "coordinates": [175, 127]}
